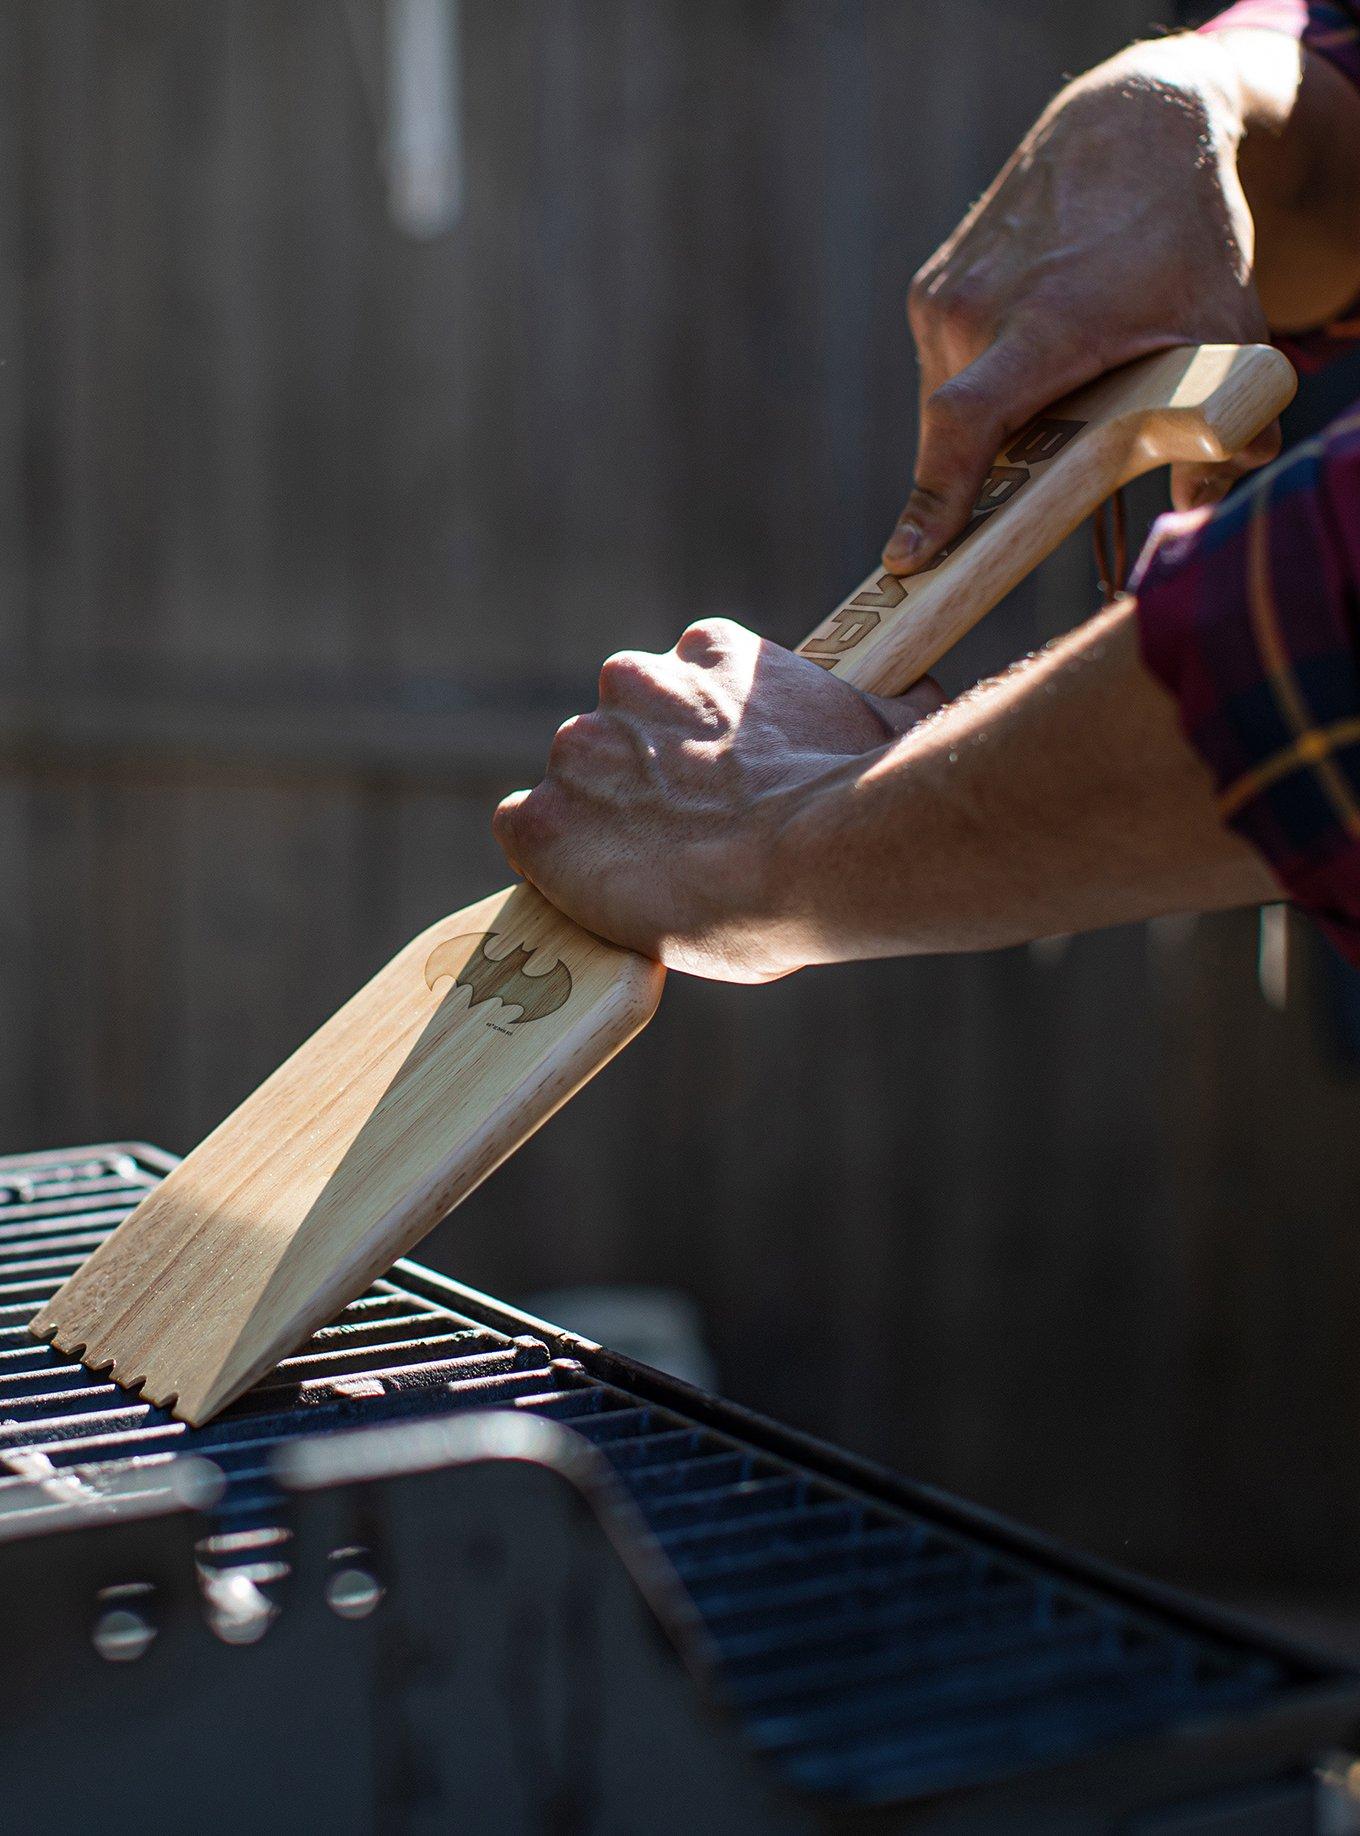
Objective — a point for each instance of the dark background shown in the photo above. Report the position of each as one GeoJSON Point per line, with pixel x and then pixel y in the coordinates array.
{"type": "Point", "coordinates": [310, 532]}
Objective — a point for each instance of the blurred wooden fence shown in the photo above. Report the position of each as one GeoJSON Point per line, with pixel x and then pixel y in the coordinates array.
{"type": "Point", "coordinates": [309, 535]}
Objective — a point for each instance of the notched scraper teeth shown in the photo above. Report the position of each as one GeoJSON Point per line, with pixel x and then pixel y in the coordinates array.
{"type": "Point", "coordinates": [70, 1342]}
{"type": "Point", "coordinates": [100, 1359]}
{"type": "Point", "coordinates": [133, 1375]}
{"type": "Point", "coordinates": [94, 1356]}
{"type": "Point", "coordinates": [128, 1373]}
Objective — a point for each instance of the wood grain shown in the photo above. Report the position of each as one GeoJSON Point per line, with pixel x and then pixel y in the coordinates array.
{"type": "Point", "coordinates": [389, 1115]}
{"type": "Point", "coordinates": [1193, 402]}
{"type": "Point", "coordinates": [470, 1038]}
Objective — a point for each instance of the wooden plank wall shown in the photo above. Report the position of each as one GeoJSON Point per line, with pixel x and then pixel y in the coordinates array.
{"type": "Point", "coordinates": [310, 533]}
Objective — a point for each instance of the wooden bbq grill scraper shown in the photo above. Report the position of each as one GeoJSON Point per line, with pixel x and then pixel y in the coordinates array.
{"type": "Point", "coordinates": [485, 1024]}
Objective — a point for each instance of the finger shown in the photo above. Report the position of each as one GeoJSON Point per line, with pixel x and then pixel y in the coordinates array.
{"type": "Point", "coordinates": [900, 713]}
{"type": "Point", "coordinates": [710, 640]}
{"type": "Point", "coordinates": [963, 425]}
{"type": "Point", "coordinates": [503, 824]}
{"type": "Point", "coordinates": [951, 324]}
{"type": "Point", "coordinates": [1194, 485]}
{"type": "Point", "coordinates": [629, 678]}
{"type": "Point", "coordinates": [656, 686]}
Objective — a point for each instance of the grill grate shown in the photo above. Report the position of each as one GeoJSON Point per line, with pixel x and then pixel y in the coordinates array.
{"type": "Point", "coordinates": [870, 1652]}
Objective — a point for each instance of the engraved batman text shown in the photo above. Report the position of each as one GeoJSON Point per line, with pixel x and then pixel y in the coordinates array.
{"type": "Point", "coordinates": [1034, 445]}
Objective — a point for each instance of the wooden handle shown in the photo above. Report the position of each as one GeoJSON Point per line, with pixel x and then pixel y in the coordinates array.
{"type": "Point", "coordinates": [483, 1026]}
{"type": "Point", "coordinates": [1197, 402]}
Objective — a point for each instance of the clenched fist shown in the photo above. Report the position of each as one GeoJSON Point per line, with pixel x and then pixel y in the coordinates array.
{"type": "Point", "coordinates": [661, 822]}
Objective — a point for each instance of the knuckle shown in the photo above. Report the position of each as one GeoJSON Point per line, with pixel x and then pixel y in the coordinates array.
{"type": "Point", "coordinates": [964, 306]}
{"type": "Point", "coordinates": [919, 303]}
{"type": "Point", "coordinates": [956, 304]}
{"type": "Point", "coordinates": [961, 420]}
{"type": "Point", "coordinates": [521, 823]}
{"type": "Point", "coordinates": [572, 738]}
{"type": "Point", "coordinates": [705, 638]}
{"type": "Point", "coordinates": [946, 408]}
{"type": "Point", "coordinates": [585, 750]}
{"type": "Point", "coordinates": [955, 401]}
{"type": "Point", "coordinates": [624, 673]}
{"type": "Point", "coordinates": [925, 504]}
{"type": "Point", "coordinates": [925, 283]}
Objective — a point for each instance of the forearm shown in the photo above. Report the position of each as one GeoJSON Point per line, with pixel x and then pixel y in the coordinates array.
{"type": "Point", "coordinates": [1061, 797]}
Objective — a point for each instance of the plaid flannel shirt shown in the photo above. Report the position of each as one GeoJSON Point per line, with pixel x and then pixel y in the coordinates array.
{"type": "Point", "coordinates": [1250, 613]}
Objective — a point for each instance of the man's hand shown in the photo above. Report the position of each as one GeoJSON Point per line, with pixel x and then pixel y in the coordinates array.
{"type": "Point", "coordinates": [736, 812]}
{"type": "Point", "coordinates": [1120, 226]}
{"type": "Point", "coordinates": [659, 819]}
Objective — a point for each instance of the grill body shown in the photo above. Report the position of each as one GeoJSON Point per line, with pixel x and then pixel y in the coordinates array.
{"type": "Point", "coordinates": [450, 1567]}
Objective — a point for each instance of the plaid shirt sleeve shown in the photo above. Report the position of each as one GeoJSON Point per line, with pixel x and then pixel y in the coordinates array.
{"type": "Point", "coordinates": [1250, 614]}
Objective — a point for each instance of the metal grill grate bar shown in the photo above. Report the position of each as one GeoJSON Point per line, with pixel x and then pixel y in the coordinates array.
{"type": "Point", "coordinates": [968, 1749]}
{"type": "Point", "coordinates": [871, 1653]}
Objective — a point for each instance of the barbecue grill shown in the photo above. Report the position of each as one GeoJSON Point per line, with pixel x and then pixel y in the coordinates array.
{"type": "Point", "coordinates": [452, 1568]}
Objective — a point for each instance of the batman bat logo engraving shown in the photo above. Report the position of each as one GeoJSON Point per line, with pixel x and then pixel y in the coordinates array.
{"type": "Point", "coordinates": [501, 978]}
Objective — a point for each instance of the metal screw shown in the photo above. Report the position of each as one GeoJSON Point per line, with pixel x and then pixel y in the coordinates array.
{"type": "Point", "coordinates": [353, 1593]}
{"type": "Point", "coordinates": [239, 1612]}
{"type": "Point", "coordinates": [121, 1636]}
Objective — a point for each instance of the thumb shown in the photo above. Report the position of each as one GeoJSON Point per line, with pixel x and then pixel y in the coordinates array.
{"type": "Point", "coordinates": [963, 425]}
{"type": "Point", "coordinates": [1194, 485]}
{"type": "Point", "coordinates": [900, 713]}
{"type": "Point", "coordinates": [503, 826]}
